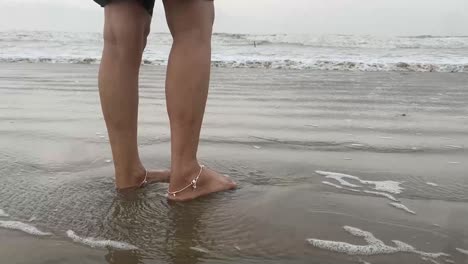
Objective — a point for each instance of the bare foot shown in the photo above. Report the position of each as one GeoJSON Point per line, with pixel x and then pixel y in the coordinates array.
{"type": "Point", "coordinates": [209, 182]}
{"type": "Point", "coordinates": [158, 176]}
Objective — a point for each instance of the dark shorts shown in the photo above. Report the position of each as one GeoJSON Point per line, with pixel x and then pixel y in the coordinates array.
{"type": "Point", "coordinates": [147, 4]}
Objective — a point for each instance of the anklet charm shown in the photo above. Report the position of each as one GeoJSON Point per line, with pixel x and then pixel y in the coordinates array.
{"type": "Point", "coordinates": [145, 180]}
{"type": "Point", "coordinates": [192, 184]}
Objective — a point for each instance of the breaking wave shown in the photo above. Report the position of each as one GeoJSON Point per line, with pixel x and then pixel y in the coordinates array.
{"type": "Point", "coordinates": [274, 51]}
{"type": "Point", "coordinates": [346, 41]}
{"type": "Point", "coordinates": [328, 65]}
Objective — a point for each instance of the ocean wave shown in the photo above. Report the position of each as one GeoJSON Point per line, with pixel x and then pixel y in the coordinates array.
{"type": "Point", "coordinates": [29, 229]}
{"type": "Point", "coordinates": [345, 41]}
{"type": "Point", "coordinates": [328, 65]}
{"type": "Point", "coordinates": [273, 51]}
{"type": "Point", "coordinates": [85, 39]}
{"type": "Point", "coordinates": [432, 37]}
{"type": "Point", "coordinates": [96, 243]}
{"type": "Point", "coordinates": [85, 60]}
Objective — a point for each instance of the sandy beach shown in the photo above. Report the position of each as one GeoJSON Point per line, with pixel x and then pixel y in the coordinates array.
{"type": "Point", "coordinates": [321, 157]}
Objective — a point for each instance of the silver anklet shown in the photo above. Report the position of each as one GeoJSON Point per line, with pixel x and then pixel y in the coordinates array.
{"type": "Point", "coordinates": [192, 184]}
{"type": "Point", "coordinates": [141, 185]}
{"type": "Point", "coordinates": [145, 180]}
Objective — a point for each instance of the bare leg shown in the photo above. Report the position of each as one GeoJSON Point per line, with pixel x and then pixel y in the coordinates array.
{"type": "Point", "coordinates": [125, 31]}
{"type": "Point", "coordinates": [188, 76]}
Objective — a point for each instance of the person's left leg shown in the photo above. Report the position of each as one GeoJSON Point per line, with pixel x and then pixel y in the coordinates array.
{"type": "Point", "coordinates": [187, 81]}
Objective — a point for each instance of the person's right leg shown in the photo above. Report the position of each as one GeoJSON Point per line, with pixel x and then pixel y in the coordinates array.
{"type": "Point", "coordinates": [187, 81]}
{"type": "Point", "coordinates": [126, 28]}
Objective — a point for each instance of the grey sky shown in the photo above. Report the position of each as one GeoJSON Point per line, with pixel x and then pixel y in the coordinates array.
{"type": "Point", "coordinates": [382, 17]}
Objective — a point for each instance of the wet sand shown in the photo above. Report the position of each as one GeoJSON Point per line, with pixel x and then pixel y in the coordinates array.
{"type": "Point", "coordinates": [271, 130]}
{"type": "Point", "coordinates": [16, 247]}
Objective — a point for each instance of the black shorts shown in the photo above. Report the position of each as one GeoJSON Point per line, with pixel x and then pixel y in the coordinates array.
{"type": "Point", "coordinates": [147, 4]}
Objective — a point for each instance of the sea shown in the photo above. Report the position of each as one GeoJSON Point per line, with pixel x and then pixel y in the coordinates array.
{"type": "Point", "coordinates": [424, 53]}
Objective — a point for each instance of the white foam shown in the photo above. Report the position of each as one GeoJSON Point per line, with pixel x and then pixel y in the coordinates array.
{"type": "Point", "coordinates": [3, 214]}
{"type": "Point", "coordinates": [432, 184]}
{"type": "Point", "coordinates": [256, 147]}
{"type": "Point", "coordinates": [16, 225]}
{"type": "Point", "coordinates": [363, 261]}
{"type": "Point", "coordinates": [454, 162]}
{"type": "Point", "coordinates": [339, 177]}
{"type": "Point", "coordinates": [454, 146]}
{"type": "Point", "coordinates": [430, 260]}
{"type": "Point", "coordinates": [332, 184]}
{"type": "Point", "coordinates": [200, 249]}
{"type": "Point", "coordinates": [108, 161]}
{"type": "Point", "coordinates": [340, 187]}
{"type": "Point", "coordinates": [389, 196]}
{"type": "Point", "coordinates": [95, 243]}
{"type": "Point", "coordinates": [385, 186]}
{"type": "Point", "coordinates": [463, 251]}
{"type": "Point", "coordinates": [374, 246]}
{"type": "Point", "coordinates": [357, 145]}
{"type": "Point", "coordinates": [402, 207]}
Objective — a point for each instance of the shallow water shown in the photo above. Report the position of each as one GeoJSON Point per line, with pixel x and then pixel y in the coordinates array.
{"type": "Point", "coordinates": [271, 131]}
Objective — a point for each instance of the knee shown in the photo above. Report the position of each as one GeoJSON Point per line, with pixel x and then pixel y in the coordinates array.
{"type": "Point", "coordinates": [195, 36]}
{"type": "Point", "coordinates": [123, 40]}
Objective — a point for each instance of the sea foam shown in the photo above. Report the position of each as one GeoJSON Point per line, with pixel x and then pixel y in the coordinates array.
{"type": "Point", "coordinates": [402, 207]}
{"type": "Point", "coordinates": [385, 186]}
{"type": "Point", "coordinates": [339, 177]}
{"type": "Point", "coordinates": [16, 225]}
{"type": "Point", "coordinates": [332, 184]}
{"type": "Point", "coordinates": [463, 251]}
{"type": "Point", "coordinates": [430, 260]}
{"type": "Point", "coordinates": [96, 243]}
{"type": "Point", "coordinates": [200, 249]}
{"type": "Point", "coordinates": [389, 196]}
{"type": "Point", "coordinates": [3, 214]}
{"type": "Point", "coordinates": [374, 245]}
{"type": "Point", "coordinates": [340, 187]}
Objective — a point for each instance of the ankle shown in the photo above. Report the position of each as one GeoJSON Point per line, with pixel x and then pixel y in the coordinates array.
{"type": "Point", "coordinates": [129, 177]}
{"type": "Point", "coordinates": [183, 174]}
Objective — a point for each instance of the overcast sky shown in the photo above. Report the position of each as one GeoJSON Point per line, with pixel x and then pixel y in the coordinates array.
{"type": "Point", "coordinates": [381, 17]}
